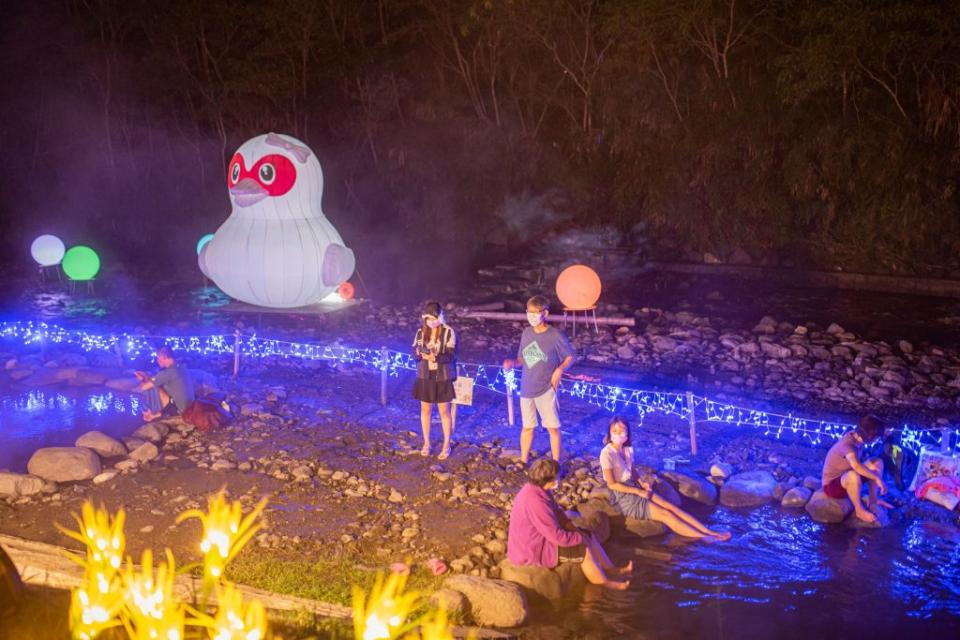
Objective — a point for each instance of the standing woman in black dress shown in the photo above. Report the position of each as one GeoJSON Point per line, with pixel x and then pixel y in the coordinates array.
{"type": "Point", "coordinates": [434, 346]}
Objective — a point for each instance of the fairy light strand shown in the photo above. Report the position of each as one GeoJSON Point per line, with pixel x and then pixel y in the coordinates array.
{"type": "Point", "coordinates": [612, 398]}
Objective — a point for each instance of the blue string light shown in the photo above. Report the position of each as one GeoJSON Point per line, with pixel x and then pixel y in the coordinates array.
{"type": "Point", "coordinates": [492, 377]}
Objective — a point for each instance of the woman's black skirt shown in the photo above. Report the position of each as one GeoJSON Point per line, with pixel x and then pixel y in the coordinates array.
{"type": "Point", "coordinates": [432, 390]}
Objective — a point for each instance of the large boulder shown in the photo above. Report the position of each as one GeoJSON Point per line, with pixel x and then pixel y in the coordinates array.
{"type": "Point", "coordinates": [550, 584]}
{"type": "Point", "coordinates": [64, 464]}
{"type": "Point", "coordinates": [152, 431]}
{"type": "Point", "coordinates": [453, 602]}
{"type": "Point", "coordinates": [748, 489]}
{"type": "Point", "coordinates": [15, 485]}
{"type": "Point", "coordinates": [693, 487]}
{"type": "Point", "coordinates": [666, 491]}
{"type": "Point", "coordinates": [145, 452]}
{"type": "Point", "coordinates": [493, 603]}
{"type": "Point", "coordinates": [796, 498]}
{"type": "Point", "coordinates": [644, 528]}
{"type": "Point", "coordinates": [597, 522]}
{"type": "Point", "coordinates": [101, 443]}
{"type": "Point", "coordinates": [823, 508]}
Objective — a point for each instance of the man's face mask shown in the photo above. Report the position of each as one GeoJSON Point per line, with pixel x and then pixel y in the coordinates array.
{"type": "Point", "coordinates": [535, 318]}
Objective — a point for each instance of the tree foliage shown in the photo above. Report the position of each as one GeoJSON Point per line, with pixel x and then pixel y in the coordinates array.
{"type": "Point", "coordinates": [823, 132]}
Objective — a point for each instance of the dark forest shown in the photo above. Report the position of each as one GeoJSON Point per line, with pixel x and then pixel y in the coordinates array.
{"type": "Point", "coordinates": [811, 134]}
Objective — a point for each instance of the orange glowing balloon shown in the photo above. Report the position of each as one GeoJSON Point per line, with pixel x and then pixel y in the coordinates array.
{"type": "Point", "coordinates": [578, 287]}
{"type": "Point", "coordinates": [346, 291]}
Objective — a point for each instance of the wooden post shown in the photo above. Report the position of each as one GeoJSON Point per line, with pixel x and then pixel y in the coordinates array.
{"type": "Point", "coordinates": [692, 421]}
{"type": "Point", "coordinates": [43, 347]}
{"type": "Point", "coordinates": [383, 376]}
{"type": "Point", "coordinates": [453, 417]}
{"type": "Point", "coordinates": [236, 353]}
{"type": "Point", "coordinates": [945, 440]}
{"type": "Point", "coordinates": [510, 420]}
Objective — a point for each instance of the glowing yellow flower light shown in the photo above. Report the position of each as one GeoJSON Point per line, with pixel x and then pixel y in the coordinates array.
{"type": "Point", "coordinates": [93, 610]}
{"type": "Point", "coordinates": [152, 611]}
{"type": "Point", "coordinates": [384, 615]}
{"type": "Point", "coordinates": [103, 538]}
{"type": "Point", "coordinates": [235, 620]}
{"type": "Point", "coordinates": [225, 531]}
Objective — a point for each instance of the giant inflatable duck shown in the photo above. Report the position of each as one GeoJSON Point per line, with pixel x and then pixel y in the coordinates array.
{"type": "Point", "coordinates": [276, 249]}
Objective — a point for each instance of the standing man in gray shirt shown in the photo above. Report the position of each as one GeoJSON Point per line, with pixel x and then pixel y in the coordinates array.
{"type": "Point", "coordinates": [173, 383]}
{"type": "Point", "coordinates": [544, 354]}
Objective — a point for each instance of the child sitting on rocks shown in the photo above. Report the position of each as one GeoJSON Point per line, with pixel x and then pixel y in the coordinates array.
{"type": "Point", "coordinates": [541, 534]}
{"type": "Point", "coordinates": [640, 502]}
{"type": "Point", "coordinates": [844, 474]}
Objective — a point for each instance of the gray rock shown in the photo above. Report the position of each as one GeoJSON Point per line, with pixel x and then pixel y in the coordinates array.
{"type": "Point", "coordinates": [495, 603]}
{"type": "Point", "coordinates": [132, 443]}
{"type": "Point", "coordinates": [598, 523]}
{"type": "Point", "coordinates": [693, 487]}
{"type": "Point", "coordinates": [644, 528]}
{"type": "Point", "coordinates": [550, 584]}
{"type": "Point", "coordinates": [774, 350]}
{"type": "Point", "coordinates": [126, 465]}
{"type": "Point", "coordinates": [796, 498]}
{"type": "Point", "coordinates": [749, 489]}
{"type": "Point", "coordinates": [145, 452]}
{"type": "Point", "coordinates": [453, 602]}
{"type": "Point", "coordinates": [152, 431]}
{"type": "Point", "coordinates": [106, 476]}
{"type": "Point", "coordinates": [721, 470]}
{"type": "Point", "coordinates": [122, 384]}
{"type": "Point", "coordinates": [222, 465]}
{"type": "Point", "coordinates": [666, 491]}
{"type": "Point", "coordinates": [811, 483]}
{"type": "Point", "coordinates": [15, 485]}
{"type": "Point", "coordinates": [101, 443]}
{"type": "Point", "coordinates": [823, 508]}
{"type": "Point", "coordinates": [302, 472]}
{"type": "Point", "coordinates": [64, 464]}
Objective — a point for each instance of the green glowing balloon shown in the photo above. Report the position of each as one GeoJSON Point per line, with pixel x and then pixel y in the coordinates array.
{"type": "Point", "coordinates": [81, 263]}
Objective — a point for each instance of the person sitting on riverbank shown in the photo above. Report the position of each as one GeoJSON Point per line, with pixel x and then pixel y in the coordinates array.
{"type": "Point", "coordinates": [844, 473]}
{"type": "Point", "coordinates": [638, 500]}
{"type": "Point", "coordinates": [434, 347]}
{"type": "Point", "coordinates": [173, 384]}
{"type": "Point", "coordinates": [542, 535]}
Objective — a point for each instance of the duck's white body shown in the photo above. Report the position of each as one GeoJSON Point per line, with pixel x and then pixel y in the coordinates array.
{"type": "Point", "coordinates": [276, 249]}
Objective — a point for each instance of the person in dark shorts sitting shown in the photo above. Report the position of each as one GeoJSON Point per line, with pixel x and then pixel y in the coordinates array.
{"type": "Point", "coordinates": [844, 474]}
{"type": "Point", "coordinates": [173, 384]}
{"type": "Point", "coordinates": [542, 535]}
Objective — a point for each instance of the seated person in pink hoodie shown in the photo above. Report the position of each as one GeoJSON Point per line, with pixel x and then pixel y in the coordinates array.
{"type": "Point", "coordinates": [542, 535]}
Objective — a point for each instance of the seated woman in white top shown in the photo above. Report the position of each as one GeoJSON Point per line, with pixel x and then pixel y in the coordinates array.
{"type": "Point", "coordinates": [637, 500]}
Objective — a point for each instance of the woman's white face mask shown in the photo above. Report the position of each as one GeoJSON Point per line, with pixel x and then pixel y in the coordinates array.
{"type": "Point", "coordinates": [433, 321]}
{"type": "Point", "coordinates": [535, 319]}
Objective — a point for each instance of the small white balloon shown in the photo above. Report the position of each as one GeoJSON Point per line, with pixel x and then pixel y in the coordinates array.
{"type": "Point", "coordinates": [47, 250]}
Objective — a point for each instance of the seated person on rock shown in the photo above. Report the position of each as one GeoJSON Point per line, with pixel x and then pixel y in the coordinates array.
{"type": "Point", "coordinates": [173, 384]}
{"type": "Point", "coordinates": [844, 473]}
{"type": "Point", "coordinates": [542, 535]}
{"type": "Point", "coordinates": [638, 500]}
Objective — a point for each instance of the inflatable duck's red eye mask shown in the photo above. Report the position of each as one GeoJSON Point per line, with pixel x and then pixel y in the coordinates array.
{"type": "Point", "coordinates": [274, 172]}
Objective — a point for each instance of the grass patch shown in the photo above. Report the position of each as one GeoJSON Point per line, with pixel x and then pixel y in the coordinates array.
{"type": "Point", "coordinates": [325, 579]}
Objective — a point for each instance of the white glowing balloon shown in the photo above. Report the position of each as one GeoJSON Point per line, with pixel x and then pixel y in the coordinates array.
{"type": "Point", "coordinates": [276, 249]}
{"type": "Point", "coordinates": [47, 250]}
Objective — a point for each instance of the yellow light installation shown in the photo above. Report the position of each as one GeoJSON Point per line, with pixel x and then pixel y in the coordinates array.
{"type": "Point", "coordinates": [236, 620]}
{"type": "Point", "coordinates": [385, 614]}
{"type": "Point", "coordinates": [152, 610]}
{"type": "Point", "coordinates": [225, 531]}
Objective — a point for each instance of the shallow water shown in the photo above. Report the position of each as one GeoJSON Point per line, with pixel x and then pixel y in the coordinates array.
{"type": "Point", "coordinates": [784, 576]}
{"type": "Point", "coordinates": [57, 417]}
